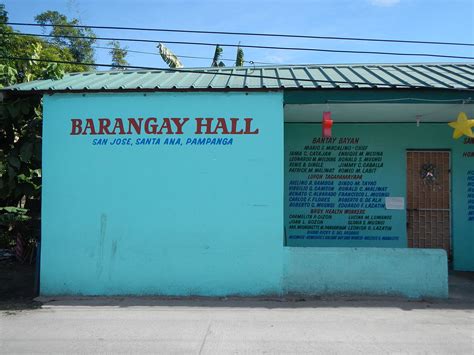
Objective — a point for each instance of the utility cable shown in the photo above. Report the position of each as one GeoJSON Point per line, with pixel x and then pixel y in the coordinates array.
{"type": "Point", "coordinates": [186, 56]}
{"type": "Point", "coordinates": [254, 34]}
{"type": "Point", "coordinates": [244, 46]}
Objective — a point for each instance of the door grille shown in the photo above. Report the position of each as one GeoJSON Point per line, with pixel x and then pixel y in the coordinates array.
{"type": "Point", "coordinates": [428, 200]}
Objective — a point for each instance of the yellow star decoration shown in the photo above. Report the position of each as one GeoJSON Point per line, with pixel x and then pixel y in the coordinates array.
{"type": "Point", "coordinates": [462, 126]}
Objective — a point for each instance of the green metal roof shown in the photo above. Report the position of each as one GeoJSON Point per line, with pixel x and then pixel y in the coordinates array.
{"type": "Point", "coordinates": [423, 75]}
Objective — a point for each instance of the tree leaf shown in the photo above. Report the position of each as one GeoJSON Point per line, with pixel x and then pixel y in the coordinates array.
{"type": "Point", "coordinates": [12, 209]}
{"type": "Point", "coordinates": [239, 60]}
{"type": "Point", "coordinates": [22, 178]}
{"type": "Point", "coordinates": [217, 56]}
{"type": "Point", "coordinates": [169, 57]}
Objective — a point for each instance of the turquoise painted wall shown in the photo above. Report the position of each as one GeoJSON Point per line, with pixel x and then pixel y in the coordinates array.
{"type": "Point", "coordinates": [208, 219]}
{"type": "Point", "coordinates": [393, 140]}
{"type": "Point", "coordinates": [413, 273]}
{"type": "Point", "coordinates": [162, 219]}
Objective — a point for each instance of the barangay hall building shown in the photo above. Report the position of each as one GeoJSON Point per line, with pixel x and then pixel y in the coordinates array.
{"type": "Point", "coordinates": [318, 179]}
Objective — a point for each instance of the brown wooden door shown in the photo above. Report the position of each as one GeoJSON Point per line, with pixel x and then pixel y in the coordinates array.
{"type": "Point", "coordinates": [429, 200]}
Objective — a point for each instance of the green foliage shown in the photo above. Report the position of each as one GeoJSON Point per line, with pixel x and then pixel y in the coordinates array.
{"type": "Point", "coordinates": [21, 121]}
{"type": "Point", "coordinates": [80, 48]}
{"type": "Point", "coordinates": [12, 219]}
{"type": "Point", "coordinates": [18, 71]}
{"type": "Point", "coordinates": [7, 75]}
{"type": "Point", "coordinates": [20, 167]}
{"type": "Point", "coordinates": [20, 150]}
{"type": "Point", "coordinates": [216, 61]}
{"type": "Point", "coordinates": [118, 54]}
{"type": "Point", "coordinates": [239, 60]}
{"type": "Point", "coordinates": [10, 216]}
{"type": "Point", "coordinates": [3, 14]}
{"type": "Point", "coordinates": [14, 71]}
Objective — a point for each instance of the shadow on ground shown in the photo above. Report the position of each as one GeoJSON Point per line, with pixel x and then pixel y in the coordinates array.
{"type": "Point", "coordinates": [17, 293]}
{"type": "Point", "coordinates": [17, 286]}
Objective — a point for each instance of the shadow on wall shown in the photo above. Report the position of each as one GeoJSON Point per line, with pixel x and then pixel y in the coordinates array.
{"type": "Point", "coordinates": [461, 298]}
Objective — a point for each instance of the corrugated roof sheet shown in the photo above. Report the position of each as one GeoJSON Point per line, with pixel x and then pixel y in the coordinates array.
{"type": "Point", "coordinates": [427, 75]}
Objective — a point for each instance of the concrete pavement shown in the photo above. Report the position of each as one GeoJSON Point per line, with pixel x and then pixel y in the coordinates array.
{"type": "Point", "coordinates": [348, 325]}
{"type": "Point", "coordinates": [238, 326]}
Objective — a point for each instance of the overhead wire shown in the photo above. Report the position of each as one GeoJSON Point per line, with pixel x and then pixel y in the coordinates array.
{"type": "Point", "coordinates": [186, 56]}
{"type": "Point", "coordinates": [244, 46]}
{"type": "Point", "coordinates": [254, 34]}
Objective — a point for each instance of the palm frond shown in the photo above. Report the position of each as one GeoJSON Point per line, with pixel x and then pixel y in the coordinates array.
{"type": "Point", "coordinates": [169, 57]}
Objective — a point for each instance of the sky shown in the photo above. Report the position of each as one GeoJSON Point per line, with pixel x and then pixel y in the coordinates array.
{"type": "Point", "coordinates": [426, 20]}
